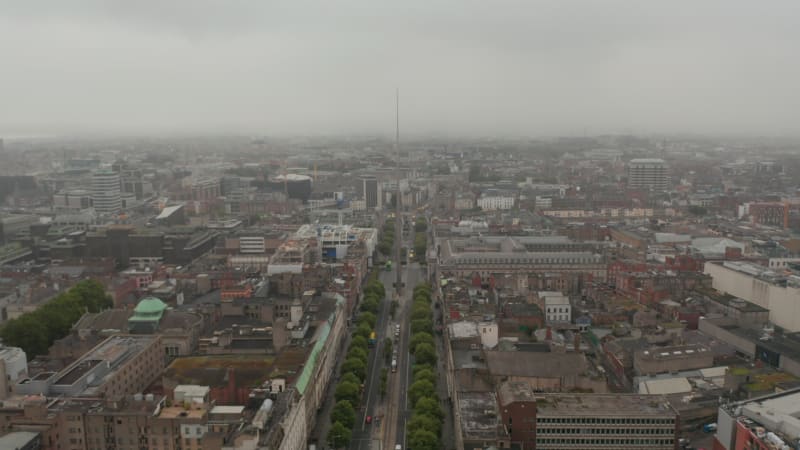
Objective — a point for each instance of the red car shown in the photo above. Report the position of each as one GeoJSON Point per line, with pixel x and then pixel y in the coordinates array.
{"type": "Point", "coordinates": [368, 420]}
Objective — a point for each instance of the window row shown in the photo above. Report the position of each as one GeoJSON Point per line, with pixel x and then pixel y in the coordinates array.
{"type": "Point", "coordinates": [604, 420]}
{"type": "Point", "coordinates": [618, 431]}
{"type": "Point", "coordinates": [618, 442]}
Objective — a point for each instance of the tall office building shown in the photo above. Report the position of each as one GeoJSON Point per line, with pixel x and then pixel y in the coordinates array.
{"type": "Point", "coordinates": [106, 194]}
{"type": "Point", "coordinates": [647, 173]}
{"type": "Point", "coordinates": [370, 191]}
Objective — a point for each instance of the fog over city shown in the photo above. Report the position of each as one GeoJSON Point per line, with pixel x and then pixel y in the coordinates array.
{"type": "Point", "coordinates": [415, 225]}
{"type": "Point", "coordinates": [464, 68]}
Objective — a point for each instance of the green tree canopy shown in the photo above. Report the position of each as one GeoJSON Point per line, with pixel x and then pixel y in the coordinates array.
{"type": "Point", "coordinates": [369, 305]}
{"type": "Point", "coordinates": [35, 331]}
{"type": "Point", "coordinates": [425, 374]}
{"type": "Point", "coordinates": [419, 389]}
{"type": "Point", "coordinates": [422, 326]}
{"type": "Point", "coordinates": [348, 391]}
{"type": "Point", "coordinates": [429, 406]}
{"type": "Point", "coordinates": [355, 366]}
{"type": "Point", "coordinates": [420, 338]}
{"type": "Point", "coordinates": [368, 318]}
{"type": "Point", "coordinates": [387, 349]}
{"type": "Point", "coordinates": [425, 354]}
{"type": "Point", "coordinates": [348, 377]}
{"type": "Point", "coordinates": [359, 341]}
{"type": "Point", "coordinates": [357, 353]}
{"type": "Point", "coordinates": [420, 311]}
{"type": "Point", "coordinates": [423, 440]}
{"type": "Point", "coordinates": [363, 330]}
{"type": "Point", "coordinates": [344, 413]}
{"type": "Point", "coordinates": [339, 435]}
{"type": "Point", "coordinates": [425, 422]}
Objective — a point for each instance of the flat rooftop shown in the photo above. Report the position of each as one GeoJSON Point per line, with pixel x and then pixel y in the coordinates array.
{"type": "Point", "coordinates": [674, 352]}
{"type": "Point", "coordinates": [173, 412]}
{"type": "Point", "coordinates": [778, 414]}
{"type": "Point", "coordinates": [605, 404]}
{"type": "Point", "coordinates": [475, 422]}
{"type": "Point", "coordinates": [113, 351]}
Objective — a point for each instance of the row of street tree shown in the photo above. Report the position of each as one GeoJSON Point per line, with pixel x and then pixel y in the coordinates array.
{"type": "Point", "coordinates": [348, 393]}
{"type": "Point", "coordinates": [425, 426]}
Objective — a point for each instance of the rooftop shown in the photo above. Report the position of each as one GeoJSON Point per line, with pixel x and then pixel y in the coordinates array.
{"type": "Point", "coordinates": [607, 404]}
{"type": "Point", "coordinates": [475, 422]}
{"type": "Point", "coordinates": [515, 391]}
{"type": "Point", "coordinates": [530, 364]}
{"type": "Point", "coordinates": [674, 352]}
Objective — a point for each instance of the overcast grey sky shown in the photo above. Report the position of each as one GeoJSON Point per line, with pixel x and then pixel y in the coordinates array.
{"type": "Point", "coordinates": [463, 67]}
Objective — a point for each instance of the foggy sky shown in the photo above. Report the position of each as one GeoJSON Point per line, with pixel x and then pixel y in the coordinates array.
{"type": "Point", "coordinates": [522, 68]}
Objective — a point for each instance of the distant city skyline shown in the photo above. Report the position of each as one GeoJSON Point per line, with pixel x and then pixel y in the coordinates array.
{"type": "Point", "coordinates": [464, 68]}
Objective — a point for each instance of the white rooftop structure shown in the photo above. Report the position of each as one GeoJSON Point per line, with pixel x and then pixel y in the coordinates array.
{"type": "Point", "coordinates": [780, 414]}
{"type": "Point", "coordinates": [463, 329]}
{"type": "Point", "coordinates": [168, 211]}
{"type": "Point", "coordinates": [665, 386]}
{"type": "Point", "coordinates": [714, 245]}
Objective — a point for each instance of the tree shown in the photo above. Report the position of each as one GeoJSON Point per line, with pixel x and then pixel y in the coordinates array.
{"type": "Point", "coordinates": [339, 435]}
{"type": "Point", "coordinates": [420, 338]}
{"type": "Point", "coordinates": [369, 305]}
{"type": "Point", "coordinates": [363, 330]}
{"type": "Point", "coordinates": [34, 332]}
{"type": "Point", "coordinates": [357, 353]}
{"type": "Point", "coordinates": [344, 413]}
{"type": "Point", "coordinates": [425, 374]}
{"type": "Point", "coordinates": [27, 333]}
{"type": "Point", "coordinates": [697, 210]}
{"type": "Point", "coordinates": [349, 378]}
{"type": "Point", "coordinates": [347, 391]}
{"type": "Point", "coordinates": [425, 354]}
{"type": "Point", "coordinates": [355, 366]}
{"type": "Point", "coordinates": [359, 341]}
{"type": "Point", "coordinates": [387, 349]}
{"type": "Point", "coordinates": [422, 298]}
{"type": "Point", "coordinates": [375, 288]}
{"type": "Point", "coordinates": [419, 389]}
{"type": "Point", "coordinates": [425, 422]}
{"type": "Point", "coordinates": [422, 326]}
{"type": "Point", "coordinates": [423, 440]}
{"type": "Point", "coordinates": [368, 318]}
{"type": "Point", "coordinates": [420, 225]}
{"type": "Point", "coordinates": [429, 406]}
{"type": "Point", "coordinates": [420, 311]}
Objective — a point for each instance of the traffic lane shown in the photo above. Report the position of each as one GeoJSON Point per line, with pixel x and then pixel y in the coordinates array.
{"type": "Point", "coordinates": [413, 278]}
{"type": "Point", "coordinates": [362, 435]}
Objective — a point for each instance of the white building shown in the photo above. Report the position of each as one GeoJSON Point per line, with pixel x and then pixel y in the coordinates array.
{"type": "Point", "coordinates": [72, 200]}
{"type": "Point", "coordinates": [495, 202]}
{"type": "Point", "coordinates": [252, 244]}
{"type": "Point", "coordinates": [557, 309]}
{"type": "Point", "coordinates": [464, 202]}
{"type": "Point", "coordinates": [490, 334]}
{"type": "Point", "coordinates": [647, 173]}
{"type": "Point", "coordinates": [762, 286]}
{"type": "Point", "coordinates": [13, 368]}
{"type": "Point", "coordinates": [106, 195]}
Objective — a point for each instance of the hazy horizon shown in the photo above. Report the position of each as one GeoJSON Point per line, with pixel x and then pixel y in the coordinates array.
{"type": "Point", "coordinates": [467, 68]}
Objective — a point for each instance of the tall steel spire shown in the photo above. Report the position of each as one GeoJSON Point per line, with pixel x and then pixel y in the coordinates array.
{"type": "Point", "coordinates": [398, 220]}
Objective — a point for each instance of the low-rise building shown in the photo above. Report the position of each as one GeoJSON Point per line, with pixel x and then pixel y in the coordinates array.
{"type": "Point", "coordinates": [769, 422]}
{"type": "Point", "coordinates": [672, 359]}
{"type": "Point", "coordinates": [584, 421]}
{"type": "Point", "coordinates": [119, 366]}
